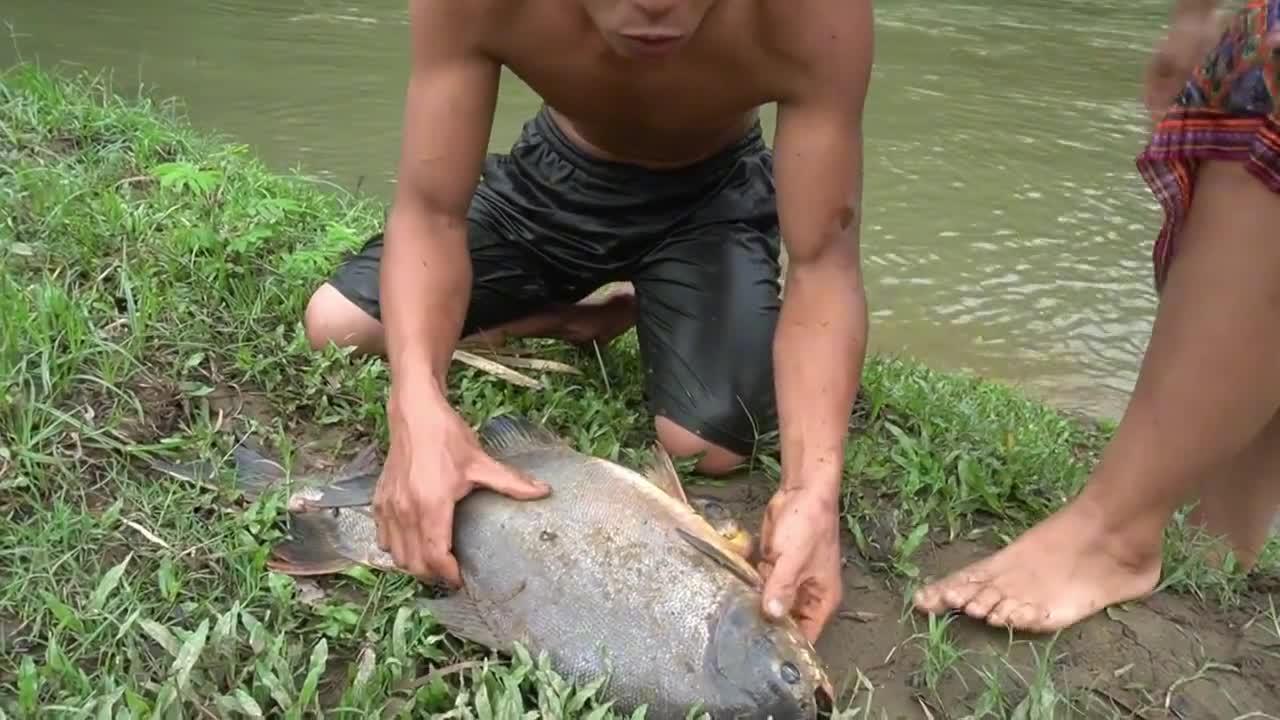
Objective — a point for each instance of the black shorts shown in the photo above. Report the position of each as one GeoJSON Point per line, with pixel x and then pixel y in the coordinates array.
{"type": "Point", "coordinates": [549, 225]}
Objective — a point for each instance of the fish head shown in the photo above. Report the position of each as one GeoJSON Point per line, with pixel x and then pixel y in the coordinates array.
{"type": "Point", "coordinates": [766, 666]}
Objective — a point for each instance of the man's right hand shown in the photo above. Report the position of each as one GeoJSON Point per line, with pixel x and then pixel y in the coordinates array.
{"type": "Point", "coordinates": [1196, 27]}
{"type": "Point", "coordinates": [433, 462]}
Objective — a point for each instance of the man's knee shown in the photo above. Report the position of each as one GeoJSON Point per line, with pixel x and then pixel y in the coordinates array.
{"type": "Point", "coordinates": [331, 318]}
{"type": "Point", "coordinates": [681, 443]}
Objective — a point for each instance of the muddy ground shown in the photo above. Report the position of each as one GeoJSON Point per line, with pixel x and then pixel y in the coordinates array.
{"type": "Point", "coordinates": [1172, 656]}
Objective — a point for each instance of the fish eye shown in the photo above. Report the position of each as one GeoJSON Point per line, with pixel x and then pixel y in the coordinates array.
{"type": "Point", "coordinates": [790, 673]}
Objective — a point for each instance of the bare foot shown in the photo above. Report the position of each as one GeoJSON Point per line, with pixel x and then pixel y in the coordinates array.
{"type": "Point", "coordinates": [1058, 573]}
{"type": "Point", "coordinates": [599, 319]}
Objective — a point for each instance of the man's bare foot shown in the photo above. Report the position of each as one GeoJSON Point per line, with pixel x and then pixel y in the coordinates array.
{"type": "Point", "coordinates": [1058, 573]}
{"type": "Point", "coordinates": [599, 319]}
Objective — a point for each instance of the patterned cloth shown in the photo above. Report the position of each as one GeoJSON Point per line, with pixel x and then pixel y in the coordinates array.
{"type": "Point", "coordinates": [1227, 111]}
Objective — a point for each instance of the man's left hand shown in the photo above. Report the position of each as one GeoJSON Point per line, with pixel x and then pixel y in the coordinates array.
{"type": "Point", "coordinates": [800, 558]}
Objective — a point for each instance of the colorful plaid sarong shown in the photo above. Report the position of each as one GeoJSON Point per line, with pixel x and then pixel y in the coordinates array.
{"type": "Point", "coordinates": [1227, 111]}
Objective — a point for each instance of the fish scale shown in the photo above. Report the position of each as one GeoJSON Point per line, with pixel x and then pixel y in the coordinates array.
{"type": "Point", "coordinates": [594, 537]}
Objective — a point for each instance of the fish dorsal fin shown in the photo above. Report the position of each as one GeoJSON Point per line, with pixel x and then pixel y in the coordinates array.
{"type": "Point", "coordinates": [512, 435]}
{"type": "Point", "coordinates": [732, 562]}
{"type": "Point", "coordinates": [662, 473]}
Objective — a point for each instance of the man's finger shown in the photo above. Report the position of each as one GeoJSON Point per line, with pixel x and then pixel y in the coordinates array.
{"type": "Point", "coordinates": [780, 588]}
{"type": "Point", "coordinates": [380, 530]}
{"type": "Point", "coordinates": [437, 538]}
{"type": "Point", "coordinates": [811, 628]}
{"type": "Point", "coordinates": [510, 482]}
{"type": "Point", "coordinates": [442, 567]}
{"type": "Point", "coordinates": [819, 614]}
{"type": "Point", "coordinates": [765, 568]}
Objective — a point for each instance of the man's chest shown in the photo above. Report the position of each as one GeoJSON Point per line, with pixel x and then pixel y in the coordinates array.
{"type": "Point", "coordinates": [706, 88]}
{"type": "Point", "coordinates": [693, 96]}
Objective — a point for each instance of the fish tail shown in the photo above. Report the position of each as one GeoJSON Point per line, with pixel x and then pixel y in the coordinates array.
{"type": "Point", "coordinates": [311, 549]}
{"type": "Point", "coordinates": [255, 473]}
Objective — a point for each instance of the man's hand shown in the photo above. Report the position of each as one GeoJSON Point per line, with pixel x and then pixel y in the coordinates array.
{"type": "Point", "coordinates": [821, 338]}
{"type": "Point", "coordinates": [434, 461]}
{"type": "Point", "coordinates": [800, 553]}
{"type": "Point", "coordinates": [1197, 26]}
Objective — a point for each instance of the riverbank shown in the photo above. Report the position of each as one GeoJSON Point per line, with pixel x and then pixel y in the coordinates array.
{"type": "Point", "coordinates": [152, 281]}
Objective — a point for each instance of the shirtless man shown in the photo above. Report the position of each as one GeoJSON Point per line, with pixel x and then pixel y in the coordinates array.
{"type": "Point", "coordinates": [646, 164]}
{"type": "Point", "coordinates": [1204, 420]}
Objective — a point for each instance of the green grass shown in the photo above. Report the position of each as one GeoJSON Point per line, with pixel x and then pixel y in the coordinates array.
{"type": "Point", "coordinates": [151, 276]}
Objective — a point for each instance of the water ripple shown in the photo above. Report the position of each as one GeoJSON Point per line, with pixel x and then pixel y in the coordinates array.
{"type": "Point", "coordinates": [1006, 233]}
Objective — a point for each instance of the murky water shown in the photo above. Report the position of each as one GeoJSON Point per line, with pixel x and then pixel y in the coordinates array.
{"type": "Point", "coordinates": [1007, 232]}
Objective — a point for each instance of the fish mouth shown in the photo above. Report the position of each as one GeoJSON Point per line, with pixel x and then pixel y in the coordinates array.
{"type": "Point", "coordinates": [824, 699]}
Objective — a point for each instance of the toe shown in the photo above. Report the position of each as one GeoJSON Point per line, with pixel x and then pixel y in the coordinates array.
{"type": "Point", "coordinates": [1004, 611]}
{"type": "Point", "coordinates": [961, 590]}
{"type": "Point", "coordinates": [1028, 616]}
{"type": "Point", "coordinates": [952, 592]}
{"type": "Point", "coordinates": [929, 599]}
{"type": "Point", "coordinates": [983, 602]}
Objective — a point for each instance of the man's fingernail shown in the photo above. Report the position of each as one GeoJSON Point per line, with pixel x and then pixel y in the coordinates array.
{"type": "Point", "coordinates": [774, 608]}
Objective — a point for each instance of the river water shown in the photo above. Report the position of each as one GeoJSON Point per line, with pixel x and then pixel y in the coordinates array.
{"type": "Point", "coordinates": [1007, 232]}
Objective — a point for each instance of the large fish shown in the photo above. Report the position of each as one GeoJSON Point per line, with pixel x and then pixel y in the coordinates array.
{"type": "Point", "coordinates": [614, 573]}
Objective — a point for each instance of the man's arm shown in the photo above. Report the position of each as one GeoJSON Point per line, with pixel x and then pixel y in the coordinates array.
{"type": "Point", "coordinates": [426, 269]}
{"type": "Point", "coordinates": [820, 344]}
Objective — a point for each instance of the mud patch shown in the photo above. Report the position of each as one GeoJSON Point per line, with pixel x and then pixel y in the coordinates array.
{"type": "Point", "coordinates": [1171, 656]}
{"type": "Point", "coordinates": [318, 448]}
{"type": "Point", "coordinates": [16, 635]}
{"type": "Point", "coordinates": [162, 408]}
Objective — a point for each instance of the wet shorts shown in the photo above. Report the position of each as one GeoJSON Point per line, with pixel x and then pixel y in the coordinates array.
{"type": "Point", "coordinates": [1226, 111]}
{"type": "Point", "coordinates": [550, 224]}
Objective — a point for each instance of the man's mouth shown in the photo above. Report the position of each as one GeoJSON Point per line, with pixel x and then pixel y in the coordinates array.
{"type": "Point", "coordinates": [653, 42]}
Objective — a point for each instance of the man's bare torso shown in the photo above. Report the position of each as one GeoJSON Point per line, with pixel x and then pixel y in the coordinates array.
{"type": "Point", "coordinates": [659, 112]}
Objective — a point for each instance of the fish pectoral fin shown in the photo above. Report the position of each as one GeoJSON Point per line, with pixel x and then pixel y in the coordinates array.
{"type": "Point", "coordinates": [461, 615]}
{"type": "Point", "coordinates": [364, 463]}
{"type": "Point", "coordinates": [311, 549]}
{"type": "Point", "coordinates": [351, 492]}
{"type": "Point", "coordinates": [353, 486]}
{"type": "Point", "coordinates": [728, 560]}
{"type": "Point", "coordinates": [662, 473]}
{"type": "Point", "coordinates": [511, 434]}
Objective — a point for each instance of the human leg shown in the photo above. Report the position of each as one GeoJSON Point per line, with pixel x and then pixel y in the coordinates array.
{"type": "Point", "coordinates": [708, 302]}
{"type": "Point", "coordinates": [538, 250]}
{"type": "Point", "coordinates": [706, 336]}
{"type": "Point", "coordinates": [1208, 390]}
{"type": "Point", "coordinates": [509, 299]}
{"type": "Point", "coordinates": [1239, 505]}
